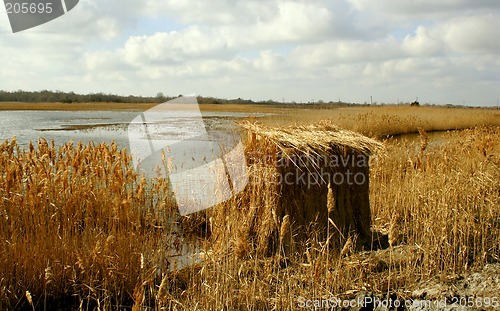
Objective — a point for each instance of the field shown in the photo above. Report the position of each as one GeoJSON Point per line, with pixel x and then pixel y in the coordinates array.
{"type": "Point", "coordinates": [79, 229]}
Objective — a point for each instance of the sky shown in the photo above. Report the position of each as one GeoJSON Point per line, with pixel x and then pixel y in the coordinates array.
{"type": "Point", "coordinates": [443, 52]}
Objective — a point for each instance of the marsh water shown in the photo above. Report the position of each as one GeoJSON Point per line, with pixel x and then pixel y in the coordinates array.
{"type": "Point", "coordinates": [108, 126]}
{"type": "Point", "coordinates": [85, 126]}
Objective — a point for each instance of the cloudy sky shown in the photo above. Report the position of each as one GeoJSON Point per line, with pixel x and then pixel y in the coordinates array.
{"type": "Point", "coordinates": [445, 51]}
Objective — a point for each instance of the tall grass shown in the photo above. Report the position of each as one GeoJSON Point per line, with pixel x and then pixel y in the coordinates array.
{"type": "Point", "coordinates": [79, 229]}
{"type": "Point", "coordinates": [381, 121]}
{"type": "Point", "coordinates": [442, 198]}
{"type": "Point", "coordinates": [76, 225]}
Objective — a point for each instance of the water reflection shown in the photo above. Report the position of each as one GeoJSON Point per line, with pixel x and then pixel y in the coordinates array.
{"type": "Point", "coordinates": [85, 126]}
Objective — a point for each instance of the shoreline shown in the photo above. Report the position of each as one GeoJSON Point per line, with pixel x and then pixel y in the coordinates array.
{"type": "Point", "coordinates": [257, 107]}
{"type": "Point", "coordinates": [381, 122]}
{"type": "Point", "coordinates": [114, 106]}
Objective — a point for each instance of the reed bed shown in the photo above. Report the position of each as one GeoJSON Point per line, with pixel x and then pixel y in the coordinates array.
{"type": "Point", "coordinates": [443, 198]}
{"type": "Point", "coordinates": [382, 121]}
{"type": "Point", "coordinates": [77, 225]}
{"type": "Point", "coordinates": [80, 230]}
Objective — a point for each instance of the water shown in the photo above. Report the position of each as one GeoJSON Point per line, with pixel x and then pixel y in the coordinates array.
{"type": "Point", "coordinates": [435, 139]}
{"type": "Point", "coordinates": [65, 126]}
{"type": "Point", "coordinates": [86, 126]}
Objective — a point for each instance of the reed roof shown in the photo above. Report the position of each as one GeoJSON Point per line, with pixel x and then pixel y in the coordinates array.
{"type": "Point", "coordinates": [323, 138]}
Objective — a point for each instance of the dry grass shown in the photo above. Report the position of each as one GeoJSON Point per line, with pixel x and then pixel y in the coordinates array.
{"type": "Point", "coordinates": [79, 229]}
{"type": "Point", "coordinates": [437, 201]}
{"type": "Point", "coordinates": [443, 198]}
{"type": "Point", "coordinates": [75, 222]}
{"type": "Point", "coordinates": [380, 121]}
{"type": "Point", "coordinates": [322, 139]}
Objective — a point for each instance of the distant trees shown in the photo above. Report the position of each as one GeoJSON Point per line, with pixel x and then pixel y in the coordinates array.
{"type": "Point", "coordinates": [161, 98]}
{"type": "Point", "coordinates": [46, 96]}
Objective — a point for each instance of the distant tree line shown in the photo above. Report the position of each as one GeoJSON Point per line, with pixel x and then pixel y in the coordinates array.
{"type": "Point", "coordinates": [71, 97]}
{"type": "Point", "coordinates": [46, 96]}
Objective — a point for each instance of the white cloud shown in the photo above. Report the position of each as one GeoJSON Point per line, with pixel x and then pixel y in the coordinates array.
{"type": "Point", "coordinates": [295, 21]}
{"type": "Point", "coordinates": [175, 46]}
{"type": "Point", "coordinates": [268, 61]}
{"type": "Point", "coordinates": [263, 49]}
{"type": "Point", "coordinates": [477, 33]}
{"type": "Point", "coordinates": [416, 8]}
{"type": "Point", "coordinates": [424, 42]}
{"type": "Point", "coordinates": [465, 34]}
{"type": "Point", "coordinates": [341, 51]}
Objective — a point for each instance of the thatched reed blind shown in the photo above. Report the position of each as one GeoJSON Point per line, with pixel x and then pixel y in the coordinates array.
{"type": "Point", "coordinates": [321, 175]}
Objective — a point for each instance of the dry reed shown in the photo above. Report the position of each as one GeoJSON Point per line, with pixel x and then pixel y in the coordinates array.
{"type": "Point", "coordinates": [79, 229]}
